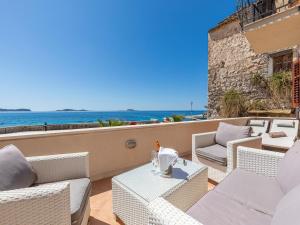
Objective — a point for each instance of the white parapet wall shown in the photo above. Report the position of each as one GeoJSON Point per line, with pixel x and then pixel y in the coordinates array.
{"type": "Point", "coordinates": [107, 146]}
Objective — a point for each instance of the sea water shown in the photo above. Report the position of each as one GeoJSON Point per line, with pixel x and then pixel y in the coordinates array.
{"type": "Point", "coordinates": [38, 118]}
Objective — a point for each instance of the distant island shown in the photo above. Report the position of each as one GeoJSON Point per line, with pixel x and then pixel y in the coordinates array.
{"type": "Point", "coordinates": [15, 110]}
{"type": "Point", "coordinates": [71, 110]}
{"type": "Point", "coordinates": [131, 110]}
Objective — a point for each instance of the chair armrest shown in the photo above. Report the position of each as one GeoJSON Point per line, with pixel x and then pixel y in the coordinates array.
{"type": "Point", "coordinates": [164, 213]}
{"type": "Point", "coordinates": [203, 140]}
{"type": "Point", "coordinates": [45, 204]}
{"type": "Point", "coordinates": [232, 146]}
{"type": "Point", "coordinates": [259, 161]}
{"type": "Point", "coordinates": [53, 168]}
{"type": "Point", "coordinates": [252, 142]}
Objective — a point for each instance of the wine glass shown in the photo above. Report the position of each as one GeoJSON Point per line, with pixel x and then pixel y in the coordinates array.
{"type": "Point", "coordinates": [154, 159]}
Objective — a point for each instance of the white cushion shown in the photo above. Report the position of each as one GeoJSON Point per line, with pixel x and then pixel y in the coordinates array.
{"type": "Point", "coordinates": [282, 142]}
{"type": "Point", "coordinates": [257, 123]}
{"type": "Point", "coordinates": [287, 123]}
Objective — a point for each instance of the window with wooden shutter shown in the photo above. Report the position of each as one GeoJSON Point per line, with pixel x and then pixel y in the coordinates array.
{"type": "Point", "coordinates": [296, 84]}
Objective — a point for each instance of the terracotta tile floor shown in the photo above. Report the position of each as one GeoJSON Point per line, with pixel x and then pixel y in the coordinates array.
{"type": "Point", "coordinates": [101, 203]}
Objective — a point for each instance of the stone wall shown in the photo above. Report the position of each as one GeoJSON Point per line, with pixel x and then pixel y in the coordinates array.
{"type": "Point", "coordinates": [231, 65]}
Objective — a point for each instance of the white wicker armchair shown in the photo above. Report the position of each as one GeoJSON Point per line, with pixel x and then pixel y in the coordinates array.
{"type": "Point", "coordinates": [254, 160]}
{"type": "Point", "coordinates": [47, 203]}
{"type": "Point", "coordinates": [259, 161]}
{"type": "Point", "coordinates": [216, 171]}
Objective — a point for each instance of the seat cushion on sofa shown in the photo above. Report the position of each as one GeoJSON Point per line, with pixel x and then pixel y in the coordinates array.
{"type": "Point", "coordinates": [228, 132]}
{"type": "Point", "coordinates": [288, 173]}
{"type": "Point", "coordinates": [287, 211]}
{"type": "Point", "coordinates": [215, 209]}
{"type": "Point", "coordinates": [254, 191]}
{"type": "Point", "coordinates": [15, 170]}
{"type": "Point", "coordinates": [215, 152]}
{"type": "Point", "coordinates": [79, 195]}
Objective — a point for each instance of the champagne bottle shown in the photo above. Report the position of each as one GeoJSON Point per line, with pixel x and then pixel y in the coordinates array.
{"type": "Point", "coordinates": [157, 145]}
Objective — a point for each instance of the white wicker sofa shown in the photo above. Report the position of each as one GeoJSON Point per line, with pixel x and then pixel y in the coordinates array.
{"type": "Point", "coordinates": [219, 159]}
{"type": "Point", "coordinates": [60, 195]}
{"type": "Point", "coordinates": [264, 190]}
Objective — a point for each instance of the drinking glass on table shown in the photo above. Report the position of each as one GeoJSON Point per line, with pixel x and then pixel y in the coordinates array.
{"type": "Point", "coordinates": [154, 159]}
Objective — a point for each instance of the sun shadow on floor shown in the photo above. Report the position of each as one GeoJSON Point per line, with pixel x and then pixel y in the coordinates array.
{"type": "Point", "coordinates": [101, 186]}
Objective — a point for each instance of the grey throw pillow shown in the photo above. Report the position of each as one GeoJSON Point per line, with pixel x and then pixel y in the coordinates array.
{"type": "Point", "coordinates": [287, 210]}
{"type": "Point", "coordinates": [228, 132]}
{"type": "Point", "coordinates": [15, 170]}
{"type": "Point", "coordinates": [288, 173]}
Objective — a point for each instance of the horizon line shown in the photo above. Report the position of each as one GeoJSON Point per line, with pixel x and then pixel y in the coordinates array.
{"type": "Point", "coordinates": [116, 110]}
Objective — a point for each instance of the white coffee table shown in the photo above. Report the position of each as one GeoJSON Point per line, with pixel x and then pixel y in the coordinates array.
{"type": "Point", "coordinates": [133, 190]}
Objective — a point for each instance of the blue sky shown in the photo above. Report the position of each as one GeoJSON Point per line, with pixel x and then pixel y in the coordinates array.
{"type": "Point", "coordinates": [106, 54]}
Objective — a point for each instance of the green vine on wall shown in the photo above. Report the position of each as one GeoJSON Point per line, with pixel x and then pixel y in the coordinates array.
{"type": "Point", "coordinates": [258, 80]}
{"type": "Point", "coordinates": [233, 104]}
{"type": "Point", "coordinates": [278, 87]}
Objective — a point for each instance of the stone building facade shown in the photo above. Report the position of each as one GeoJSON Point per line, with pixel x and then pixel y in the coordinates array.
{"type": "Point", "coordinates": [232, 64]}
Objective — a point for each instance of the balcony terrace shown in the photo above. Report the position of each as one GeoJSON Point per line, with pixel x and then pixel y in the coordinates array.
{"type": "Point", "coordinates": [254, 10]}
{"type": "Point", "coordinates": [109, 155]}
